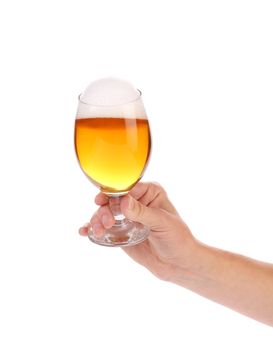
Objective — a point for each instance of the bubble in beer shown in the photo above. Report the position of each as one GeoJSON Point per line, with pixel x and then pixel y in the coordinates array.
{"type": "Point", "coordinates": [109, 92]}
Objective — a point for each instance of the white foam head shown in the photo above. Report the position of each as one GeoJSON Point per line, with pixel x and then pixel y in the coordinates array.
{"type": "Point", "coordinates": [111, 97]}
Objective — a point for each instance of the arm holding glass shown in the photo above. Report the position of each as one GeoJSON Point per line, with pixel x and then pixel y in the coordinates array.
{"type": "Point", "coordinates": [173, 254]}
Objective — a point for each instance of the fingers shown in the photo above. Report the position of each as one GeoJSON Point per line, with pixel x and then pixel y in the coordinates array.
{"type": "Point", "coordinates": [145, 189]}
{"type": "Point", "coordinates": [137, 192]}
{"type": "Point", "coordinates": [100, 221]}
{"type": "Point", "coordinates": [83, 231]}
{"type": "Point", "coordinates": [101, 199]}
{"type": "Point", "coordinates": [103, 216]}
{"type": "Point", "coordinates": [152, 195]}
{"type": "Point", "coordinates": [146, 192]}
{"type": "Point", "coordinates": [136, 211]}
{"type": "Point", "coordinates": [144, 197]}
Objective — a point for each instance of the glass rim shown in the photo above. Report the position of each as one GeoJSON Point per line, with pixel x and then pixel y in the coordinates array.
{"type": "Point", "coordinates": [114, 105]}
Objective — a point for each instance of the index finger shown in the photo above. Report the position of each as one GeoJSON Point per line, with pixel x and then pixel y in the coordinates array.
{"type": "Point", "coordinates": [101, 199]}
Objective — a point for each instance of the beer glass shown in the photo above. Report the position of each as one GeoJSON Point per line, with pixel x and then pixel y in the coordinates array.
{"type": "Point", "coordinates": [113, 142]}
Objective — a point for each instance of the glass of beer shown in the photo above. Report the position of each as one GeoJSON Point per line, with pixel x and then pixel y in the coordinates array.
{"type": "Point", "coordinates": [113, 142]}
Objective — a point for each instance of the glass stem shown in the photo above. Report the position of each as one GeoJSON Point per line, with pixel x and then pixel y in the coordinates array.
{"type": "Point", "coordinates": [114, 203]}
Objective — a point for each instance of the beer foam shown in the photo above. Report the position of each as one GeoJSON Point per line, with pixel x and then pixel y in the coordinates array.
{"type": "Point", "coordinates": [111, 97]}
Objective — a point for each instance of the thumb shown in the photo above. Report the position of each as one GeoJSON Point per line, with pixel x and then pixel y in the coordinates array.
{"type": "Point", "coordinates": [138, 212]}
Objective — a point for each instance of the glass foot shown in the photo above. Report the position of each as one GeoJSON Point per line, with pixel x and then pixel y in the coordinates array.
{"type": "Point", "coordinates": [127, 234]}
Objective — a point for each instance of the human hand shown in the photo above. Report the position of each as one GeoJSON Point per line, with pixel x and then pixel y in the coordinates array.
{"type": "Point", "coordinates": [172, 253]}
{"type": "Point", "coordinates": [170, 244]}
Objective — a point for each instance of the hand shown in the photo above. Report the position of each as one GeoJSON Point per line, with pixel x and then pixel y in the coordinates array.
{"type": "Point", "coordinates": [173, 254]}
{"type": "Point", "coordinates": [170, 245]}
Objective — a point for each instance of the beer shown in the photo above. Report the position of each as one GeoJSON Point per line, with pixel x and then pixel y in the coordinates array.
{"type": "Point", "coordinates": [112, 151]}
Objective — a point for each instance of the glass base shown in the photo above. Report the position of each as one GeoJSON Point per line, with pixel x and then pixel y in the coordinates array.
{"type": "Point", "coordinates": [123, 234]}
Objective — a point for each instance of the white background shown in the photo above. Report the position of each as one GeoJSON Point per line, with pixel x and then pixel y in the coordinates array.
{"type": "Point", "coordinates": [205, 69]}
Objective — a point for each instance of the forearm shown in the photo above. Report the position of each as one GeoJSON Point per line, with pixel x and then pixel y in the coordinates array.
{"type": "Point", "coordinates": [240, 283]}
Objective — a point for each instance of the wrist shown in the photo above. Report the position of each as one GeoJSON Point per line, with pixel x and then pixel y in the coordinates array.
{"type": "Point", "coordinates": [195, 269]}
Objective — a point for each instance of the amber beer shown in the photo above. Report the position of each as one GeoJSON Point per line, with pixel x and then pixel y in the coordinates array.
{"type": "Point", "coordinates": [113, 152]}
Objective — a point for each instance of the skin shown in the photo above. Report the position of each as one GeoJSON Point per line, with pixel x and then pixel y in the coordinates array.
{"type": "Point", "coordinates": [173, 254]}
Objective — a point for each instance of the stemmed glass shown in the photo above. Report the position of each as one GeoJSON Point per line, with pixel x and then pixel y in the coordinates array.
{"type": "Point", "coordinates": [113, 142]}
